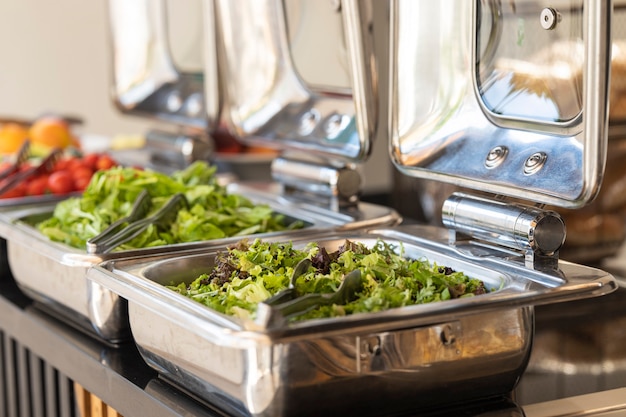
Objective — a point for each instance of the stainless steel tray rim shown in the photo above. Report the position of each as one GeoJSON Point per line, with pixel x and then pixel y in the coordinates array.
{"type": "Point", "coordinates": [515, 292]}
{"type": "Point", "coordinates": [318, 219]}
{"type": "Point", "coordinates": [232, 332]}
{"type": "Point", "coordinates": [79, 300]}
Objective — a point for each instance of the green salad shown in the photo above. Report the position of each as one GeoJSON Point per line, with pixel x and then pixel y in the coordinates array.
{"type": "Point", "coordinates": [249, 273]}
{"type": "Point", "coordinates": [211, 212]}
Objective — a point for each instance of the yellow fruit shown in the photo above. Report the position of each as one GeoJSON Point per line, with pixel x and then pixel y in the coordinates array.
{"type": "Point", "coordinates": [51, 132]}
{"type": "Point", "coordinates": [12, 135]}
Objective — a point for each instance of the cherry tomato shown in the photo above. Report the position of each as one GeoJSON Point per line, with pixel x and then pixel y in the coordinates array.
{"type": "Point", "coordinates": [61, 182]}
{"type": "Point", "coordinates": [61, 164]}
{"type": "Point", "coordinates": [18, 191]}
{"type": "Point", "coordinates": [25, 166]}
{"type": "Point", "coordinates": [81, 183]}
{"type": "Point", "coordinates": [37, 185]}
{"type": "Point", "coordinates": [76, 163]}
{"type": "Point", "coordinates": [105, 162]}
{"type": "Point", "coordinates": [81, 172]}
{"type": "Point", "coordinates": [91, 160]}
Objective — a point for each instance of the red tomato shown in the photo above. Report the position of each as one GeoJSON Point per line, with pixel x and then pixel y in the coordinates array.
{"type": "Point", "coordinates": [91, 160]}
{"type": "Point", "coordinates": [81, 183]}
{"type": "Point", "coordinates": [61, 182]}
{"type": "Point", "coordinates": [37, 185]}
{"type": "Point", "coordinates": [81, 172]}
{"type": "Point", "coordinates": [25, 166]}
{"type": "Point", "coordinates": [75, 163]}
{"type": "Point", "coordinates": [18, 191]}
{"type": "Point", "coordinates": [105, 162]}
{"type": "Point", "coordinates": [61, 164]}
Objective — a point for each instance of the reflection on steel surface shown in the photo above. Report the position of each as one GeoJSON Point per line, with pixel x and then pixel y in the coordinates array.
{"type": "Point", "coordinates": [267, 100]}
{"type": "Point", "coordinates": [402, 358]}
{"type": "Point", "coordinates": [55, 274]}
{"type": "Point", "coordinates": [444, 123]}
{"type": "Point", "coordinates": [146, 81]}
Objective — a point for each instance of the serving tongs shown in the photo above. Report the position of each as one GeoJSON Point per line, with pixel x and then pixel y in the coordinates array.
{"type": "Point", "coordinates": [135, 223]}
{"type": "Point", "coordinates": [20, 157]}
{"type": "Point", "coordinates": [45, 166]}
{"type": "Point", "coordinates": [141, 208]}
{"type": "Point", "coordinates": [286, 304]}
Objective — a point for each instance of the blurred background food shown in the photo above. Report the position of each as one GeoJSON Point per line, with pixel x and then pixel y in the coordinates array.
{"type": "Point", "coordinates": [12, 135]}
{"type": "Point", "coordinates": [51, 132]}
{"type": "Point", "coordinates": [45, 133]}
{"type": "Point", "coordinates": [68, 172]}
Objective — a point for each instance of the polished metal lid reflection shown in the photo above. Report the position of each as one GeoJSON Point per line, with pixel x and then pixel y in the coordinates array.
{"type": "Point", "coordinates": [512, 102]}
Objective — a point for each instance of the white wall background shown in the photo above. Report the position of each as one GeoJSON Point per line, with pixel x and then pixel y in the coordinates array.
{"type": "Point", "coordinates": [54, 57]}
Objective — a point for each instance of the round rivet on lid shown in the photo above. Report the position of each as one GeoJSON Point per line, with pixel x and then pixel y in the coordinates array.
{"type": "Point", "coordinates": [535, 162]}
{"type": "Point", "coordinates": [549, 18]}
{"type": "Point", "coordinates": [496, 156]}
{"type": "Point", "coordinates": [174, 102]}
{"type": "Point", "coordinates": [193, 107]}
{"type": "Point", "coordinates": [308, 121]}
{"type": "Point", "coordinates": [335, 125]}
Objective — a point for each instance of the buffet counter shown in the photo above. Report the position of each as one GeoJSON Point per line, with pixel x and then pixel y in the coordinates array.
{"type": "Point", "coordinates": [42, 357]}
{"type": "Point", "coordinates": [45, 361]}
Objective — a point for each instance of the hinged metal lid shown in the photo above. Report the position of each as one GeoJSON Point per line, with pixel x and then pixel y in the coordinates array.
{"type": "Point", "coordinates": [267, 100]}
{"type": "Point", "coordinates": [512, 101]}
{"type": "Point", "coordinates": [148, 80]}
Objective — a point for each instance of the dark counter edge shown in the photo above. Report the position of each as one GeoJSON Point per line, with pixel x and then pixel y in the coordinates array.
{"type": "Point", "coordinates": [116, 375]}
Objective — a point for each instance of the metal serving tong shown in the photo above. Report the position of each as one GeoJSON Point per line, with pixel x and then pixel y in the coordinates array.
{"type": "Point", "coordinates": [135, 223]}
{"type": "Point", "coordinates": [141, 207]}
{"type": "Point", "coordinates": [276, 310]}
{"type": "Point", "coordinates": [20, 157]}
{"type": "Point", "coordinates": [290, 293]}
{"type": "Point", "coordinates": [45, 166]}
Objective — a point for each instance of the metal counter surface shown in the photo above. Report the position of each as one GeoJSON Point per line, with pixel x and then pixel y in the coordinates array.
{"type": "Point", "coordinates": [120, 378]}
{"type": "Point", "coordinates": [610, 403]}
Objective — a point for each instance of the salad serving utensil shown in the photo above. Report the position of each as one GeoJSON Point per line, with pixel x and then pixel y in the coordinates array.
{"type": "Point", "coordinates": [141, 207]}
{"type": "Point", "coordinates": [45, 166]}
{"type": "Point", "coordinates": [165, 215]}
{"type": "Point", "coordinates": [20, 157]}
{"type": "Point", "coordinates": [277, 313]}
{"type": "Point", "coordinates": [290, 292]}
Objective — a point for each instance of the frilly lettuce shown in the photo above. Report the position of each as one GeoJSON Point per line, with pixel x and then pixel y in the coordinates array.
{"type": "Point", "coordinates": [249, 273]}
{"type": "Point", "coordinates": [212, 213]}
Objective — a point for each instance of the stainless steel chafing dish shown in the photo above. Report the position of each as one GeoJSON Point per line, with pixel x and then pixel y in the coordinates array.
{"type": "Point", "coordinates": [459, 111]}
{"type": "Point", "coordinates": [393, 360]}
{"type": "Point", "coordinates": [54, 274]}
{"type": "Point", "coordinates": [322, 191]}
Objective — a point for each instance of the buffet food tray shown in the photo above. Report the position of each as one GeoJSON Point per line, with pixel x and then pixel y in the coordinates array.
{"type": "Point", "coordinates": [397, 360]}
{"type": "Point", "coordinates": [54, 274]}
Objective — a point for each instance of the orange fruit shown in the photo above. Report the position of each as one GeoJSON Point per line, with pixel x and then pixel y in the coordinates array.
{"type": "Point", "coordinates": [51, 132]}
{"type": "Point", "coordinates": [12, 135]}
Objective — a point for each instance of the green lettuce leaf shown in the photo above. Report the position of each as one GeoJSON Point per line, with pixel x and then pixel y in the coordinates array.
{"type": "Point", "coordinates": [249, 273]}
{"type": "Point", "coordinates": [212, 213]}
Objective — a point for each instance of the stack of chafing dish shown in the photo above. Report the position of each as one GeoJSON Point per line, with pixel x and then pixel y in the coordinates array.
{"type": "Point", "coordinates": [442, 125]}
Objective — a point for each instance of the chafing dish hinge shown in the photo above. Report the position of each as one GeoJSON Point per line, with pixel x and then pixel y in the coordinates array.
{"type": "Point", "coordinates": [535, 232]}
{"type": "Point", "coordinates": [332, 186]}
